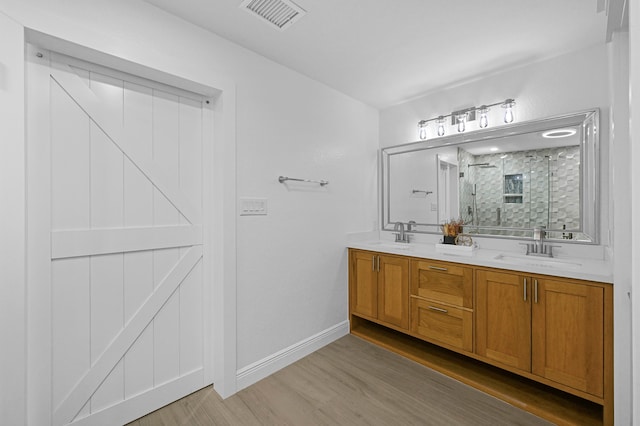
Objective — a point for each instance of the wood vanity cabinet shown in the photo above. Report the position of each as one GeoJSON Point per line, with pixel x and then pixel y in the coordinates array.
{"type": "Point", "coordinates": [550, 337]}
{"type": "Point", "coordinates": [503, 319]}
{"type": "Point", "coordinates": [553, 328]}
{"type": "Point", "coordinates": [442, 303]}
{"type": "Point", "coordinates": [568, 333]}
{"type": "Point", "coordinates": [380, 287]}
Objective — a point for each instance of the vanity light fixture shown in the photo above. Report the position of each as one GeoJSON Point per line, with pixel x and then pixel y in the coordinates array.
{"type": "Point", "coordinates": [440, 121]}
{"type": "Point", "coordinates": [462, 117]}
{"type": "Point", "coordinates": [422, 126]}
{"type": "Point", "coordinates": [484, 121]}
{"type": "Point", "coordinates": [508, 110]}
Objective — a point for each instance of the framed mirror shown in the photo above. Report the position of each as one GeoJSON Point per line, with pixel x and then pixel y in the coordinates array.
{"type": "Point", "coordinates": [500, 182]}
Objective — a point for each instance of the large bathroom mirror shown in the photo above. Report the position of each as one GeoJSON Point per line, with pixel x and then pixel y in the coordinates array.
{"type": "Point", "coordinates": [500, 182]}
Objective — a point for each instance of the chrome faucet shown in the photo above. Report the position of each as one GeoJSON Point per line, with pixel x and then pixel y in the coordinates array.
{"type": "Point", "coordinates": [401, 236]}
{"type": "Point", "coordinates": [538, 239]}
{"type": "Point", "coordinates": [538, 247]}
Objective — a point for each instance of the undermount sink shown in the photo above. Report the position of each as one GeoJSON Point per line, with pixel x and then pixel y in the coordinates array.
{"type": "Point", "coordinates": [391, 245]}
{"type": "Point", "coordinates": [543, 262]}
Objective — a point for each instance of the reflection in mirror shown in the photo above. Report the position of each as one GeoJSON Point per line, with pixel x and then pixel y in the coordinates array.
{"type": "Point", "coordinates": [502, 182]}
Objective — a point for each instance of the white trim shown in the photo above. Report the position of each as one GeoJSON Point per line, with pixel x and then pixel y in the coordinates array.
{"type": "Point", "coordinates": [222, 238]}
{"type": "Point", "coordinates": [140, 405]}
{"type": "Point", "coordinates": [634, 131]}
{"type": "Point", "coordinates": [259, 370]}
{"type": "Point", "coordinates": [39, 293]}
{"type": "Point", "coordinates": [89, 242]}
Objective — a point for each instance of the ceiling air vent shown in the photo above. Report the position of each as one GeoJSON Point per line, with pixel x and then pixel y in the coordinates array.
{"type": "Point", "coordinates": [279, 13]}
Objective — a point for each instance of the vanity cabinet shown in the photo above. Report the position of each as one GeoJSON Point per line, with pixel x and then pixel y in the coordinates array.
{"type": "Point", "coordinates": [380, 287]}
{"type": "Point", "coordinates": [553, 328]}
{"type": "Point", "coordinates": [541, 343]}
{"type": "Point", "coordinates": [568, 333]}
{"type": "Point", "coordinates": [442, 303]}
{"type": "Point", "coordinates": [503, 318]}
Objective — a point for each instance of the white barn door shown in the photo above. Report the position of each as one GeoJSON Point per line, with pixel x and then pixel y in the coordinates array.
{"type": "Point", "coordinates": [118, 305]}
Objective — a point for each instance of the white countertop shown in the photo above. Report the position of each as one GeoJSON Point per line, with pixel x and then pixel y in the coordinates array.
{"type": "Point", "coordinates": [578, 268]}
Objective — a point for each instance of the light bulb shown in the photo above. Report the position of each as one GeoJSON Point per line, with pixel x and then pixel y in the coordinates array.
{"type": "Point", "coordinates": [422, 132]}
{"type": "Point", "coordinates": [440, 122]}
{"type": "Point", "coordinates": [508, 110]}
{"type": "Point", "coordinates": [461, 118]}
{"type": "Point", "coordinates": [484, 122]}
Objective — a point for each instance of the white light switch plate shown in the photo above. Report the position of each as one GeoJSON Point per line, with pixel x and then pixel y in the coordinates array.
{"type": "Point", "coordinates": [253, 206]}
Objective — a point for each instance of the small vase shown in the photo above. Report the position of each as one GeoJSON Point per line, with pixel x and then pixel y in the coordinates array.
{"type": "Point", "coordinates": [449, 240]}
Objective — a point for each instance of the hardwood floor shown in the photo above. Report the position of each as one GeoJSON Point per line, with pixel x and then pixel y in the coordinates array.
{"type": "Point", "coordinates": [349, 382]}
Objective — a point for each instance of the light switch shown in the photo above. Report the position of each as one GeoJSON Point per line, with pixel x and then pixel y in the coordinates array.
{"type": "Point", "coordinates": [253, 206]}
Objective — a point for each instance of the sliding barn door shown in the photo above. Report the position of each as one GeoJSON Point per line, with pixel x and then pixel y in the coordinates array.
{"type": "Point", "coordinates": [116, 243]}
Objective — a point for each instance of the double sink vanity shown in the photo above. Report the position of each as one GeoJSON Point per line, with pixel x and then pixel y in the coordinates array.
{"type": "Point", "coordinates": [522, 325]}
{"type": "Point", "coordinates": [537, 333]}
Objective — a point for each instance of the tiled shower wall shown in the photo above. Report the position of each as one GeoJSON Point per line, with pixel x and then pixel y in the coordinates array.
{"type": "Point", "coordinates": [550, 190]}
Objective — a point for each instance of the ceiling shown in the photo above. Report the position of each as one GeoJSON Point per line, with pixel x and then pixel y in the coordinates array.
{"type": "Point", "coordinates": [384, 52]}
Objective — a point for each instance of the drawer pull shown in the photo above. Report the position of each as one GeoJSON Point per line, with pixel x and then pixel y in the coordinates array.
{"type": "Point", "coordinates": [535, 291]}
{"type": "Point", "coordinates": [433, 308]}
{"type": "Point", "coordinates": [437, 268]}
{"type": "Point", "coordinates": [525, 289]}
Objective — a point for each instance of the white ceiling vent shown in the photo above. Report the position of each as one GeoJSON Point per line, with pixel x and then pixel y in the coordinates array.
{"type": "Point", "coordinates": [279, 13]}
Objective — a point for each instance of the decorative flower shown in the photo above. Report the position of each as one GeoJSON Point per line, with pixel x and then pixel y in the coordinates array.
{"type": "Point", "coordinates": [452, 228]}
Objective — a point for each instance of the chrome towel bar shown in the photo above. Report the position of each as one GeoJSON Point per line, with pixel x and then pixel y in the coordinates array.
{"type": "Point", "coordinates": [283, 179]}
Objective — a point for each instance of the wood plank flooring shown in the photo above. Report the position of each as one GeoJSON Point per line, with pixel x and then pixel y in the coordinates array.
{"type": "Point", "coordinates": [349, 382]}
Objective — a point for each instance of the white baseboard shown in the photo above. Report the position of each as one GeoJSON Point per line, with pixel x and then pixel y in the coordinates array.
{"type": "Point", "coordinates": [269, 365]}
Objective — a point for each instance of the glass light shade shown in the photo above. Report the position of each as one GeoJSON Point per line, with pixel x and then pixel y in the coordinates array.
{"type": "Point", "coordinates": [440, 122]}
{"type": "Point", "coordinates": [422, 129]}
{"type": "Point", "coordinates": [461, 119]}
{"type": "Point", "coordinates": [423, 132]}
{"type": "Point", "coordinates": [484, 121]}
{"type": "Point", "coordinates": [508, 110]}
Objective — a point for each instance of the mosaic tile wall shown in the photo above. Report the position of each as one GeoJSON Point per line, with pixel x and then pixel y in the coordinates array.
{"type": "Point", "coordinates": [549, 191]}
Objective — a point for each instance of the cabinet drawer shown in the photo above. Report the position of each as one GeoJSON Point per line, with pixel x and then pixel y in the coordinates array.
{"type": "Point", "coordinates": [445, 324]}
{"type": "Point", "coordinates": [443, 282]}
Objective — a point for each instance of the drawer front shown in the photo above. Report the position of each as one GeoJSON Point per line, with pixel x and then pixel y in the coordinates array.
{"type": "Point", "coordinates": [441, 323]}
{"type": "Point", "coordinates": [443, 282]}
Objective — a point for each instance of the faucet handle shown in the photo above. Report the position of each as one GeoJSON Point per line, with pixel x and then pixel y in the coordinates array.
{"type": "Point", "coordinates": [549, 250]}
{"type": "Point", "coordinates": [530, 247]}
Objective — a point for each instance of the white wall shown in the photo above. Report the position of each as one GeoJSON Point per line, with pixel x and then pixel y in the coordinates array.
{"type": "Point", "coordinates": [12, 223]}
{"type": "Point", "coordinates": [291, 264]}
{"type": "Point", "coordinates": [620, 212]}
{"type": "Point", "coordinates": [594, 77]}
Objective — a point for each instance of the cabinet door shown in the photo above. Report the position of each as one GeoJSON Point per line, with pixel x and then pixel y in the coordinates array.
{"type": "Point", "coordinates": [503, 318]}
{"type": "Point", "coordinates": [393, 291]}
{"type": "Point", "coordinates": [364, 283]}
{"type": "Point", "coordinates": [444, 282]}
{"type": "Point", "coordinates": [568, 334]}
